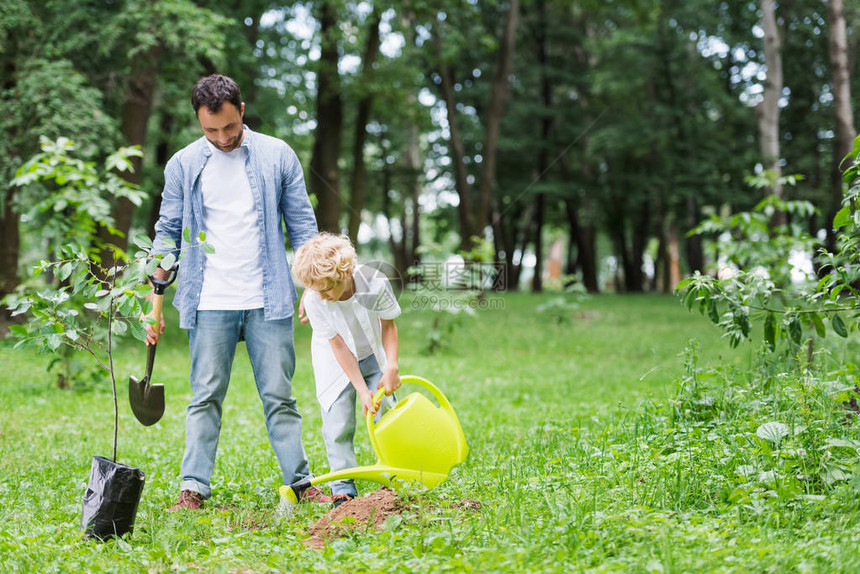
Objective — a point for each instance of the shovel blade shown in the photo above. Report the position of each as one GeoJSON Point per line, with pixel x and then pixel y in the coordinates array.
{"type": "Point", "coordinates": [147, 401]}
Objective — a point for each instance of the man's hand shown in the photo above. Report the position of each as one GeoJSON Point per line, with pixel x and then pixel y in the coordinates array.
{"type": "Point", "coordinates": [390, 379]}
{"type": "Point", "coordinates": [303, 319]}
{"type": "Point", "coordinates": [153, 331]}
{"type": "Point", "coordinates": [367, 402]}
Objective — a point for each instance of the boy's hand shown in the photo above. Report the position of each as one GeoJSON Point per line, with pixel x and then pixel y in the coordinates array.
{"type": "Point", "coordinates": [391, 379]}
{"type": "Point", "coordinates": [303, 319]}
{"type": "Point", "coordinates": [367, 402]}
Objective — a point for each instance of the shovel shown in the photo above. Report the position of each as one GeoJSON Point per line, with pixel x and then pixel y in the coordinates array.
{"type": "Point", "coordinates": [147, 400]}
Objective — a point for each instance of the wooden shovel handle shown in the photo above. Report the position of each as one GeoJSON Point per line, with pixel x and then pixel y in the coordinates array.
{"type": "Point", "coordinates": [157, 306]}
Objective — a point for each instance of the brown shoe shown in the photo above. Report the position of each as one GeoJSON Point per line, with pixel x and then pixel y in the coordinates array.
{"type": "Point", "coordinates": [188, 499]}
{"type": "Point", "coordinates": [314, 494]}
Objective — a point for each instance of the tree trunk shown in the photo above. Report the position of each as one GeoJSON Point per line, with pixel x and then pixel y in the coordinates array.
{"type": "Point", "coordinates": [498, 94]}
{"type": "Point", "coordinates": [412, 154]}
{"type": "Point", "coordinates": [845, 130]}
{"type": "Point", "coordinates": [694, 248]}
{"type": "Point", "coordinates": [358, 179]}
{"type": "Point", "coordinates": [249, 90]}
{"type": "Point", "coordinates": [641, 219]}
{"type": "Point", "coordinates": [397, 247]}
{"type": "Point", "coordinates": [511, 235]}
{"type": "Point", "coordinates": [324, 179]}
{"type": "Point", "coordinates": [546, 131]}
{"type": "Point", "coordinates": [768, 109]}
{"type": "Point", "coordinates": [582, 231]}
{"type": "Point", "coordinates": [162, 155]}
{"type": "Point", "coordinates": [461, 183]}
{"type": "Point", "coordinates": [587, 241]}
{"type": "Point", "coordinates": [540, 217]}
{"type": "Point", "coordinates": [10, 243]}
{"type": "Point", "coordinates": [136, 110]}
{"type": "Point", "coordinates": [412, 158]}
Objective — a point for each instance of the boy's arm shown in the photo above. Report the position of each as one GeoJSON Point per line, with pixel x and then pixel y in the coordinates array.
{"type": "Point", "coordinates": [391, 376]}
{"type": "Point", "coordinates": [349, 364]}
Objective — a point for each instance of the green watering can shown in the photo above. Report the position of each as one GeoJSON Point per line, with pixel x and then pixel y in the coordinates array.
{"type": "Point", "coordinates": [416, 440]}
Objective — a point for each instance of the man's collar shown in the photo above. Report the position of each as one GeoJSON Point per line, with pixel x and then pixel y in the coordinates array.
{"type": "Point", "coordinates": [246, 142]}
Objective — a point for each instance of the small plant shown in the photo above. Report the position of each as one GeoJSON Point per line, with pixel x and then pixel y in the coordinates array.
{"type": "Point", "coordinates": [559, 309]}
{"type": "Point", "coordinates": [451, 310]}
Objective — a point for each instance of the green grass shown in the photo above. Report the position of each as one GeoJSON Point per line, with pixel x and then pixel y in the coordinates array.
{"type": "Point", "coordinates": [593, 447]}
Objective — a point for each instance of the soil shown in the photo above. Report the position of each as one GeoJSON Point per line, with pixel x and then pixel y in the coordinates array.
{"type": "Point", "coordinates": [361, 513]}
{"type": "Point", "coordinates": [369, 511]}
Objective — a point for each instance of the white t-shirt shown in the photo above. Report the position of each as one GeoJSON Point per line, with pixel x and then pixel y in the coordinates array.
{"type": "Point", "coordinates": [373, 300]}
{"type": "Point", "coordinates": [232, 276]}
{"type": "Point", "coordinates": [363, 348]}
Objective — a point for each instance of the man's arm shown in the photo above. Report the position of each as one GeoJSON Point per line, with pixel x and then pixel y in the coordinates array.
{"type": "Point", "coordinates": [169, 225]}
{"type": "Point", "coordinates": [295, 205]}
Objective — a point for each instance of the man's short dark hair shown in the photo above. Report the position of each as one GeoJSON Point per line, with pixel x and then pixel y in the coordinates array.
{"type": "Point", "coordinates": [212, 91]}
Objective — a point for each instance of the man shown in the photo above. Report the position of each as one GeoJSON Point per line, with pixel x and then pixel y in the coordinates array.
{"type": "Point", "coordinates": [237, 186]}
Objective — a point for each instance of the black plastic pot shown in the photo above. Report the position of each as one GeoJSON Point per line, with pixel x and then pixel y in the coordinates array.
{"type": "Point", "coordinates": [111, 499]}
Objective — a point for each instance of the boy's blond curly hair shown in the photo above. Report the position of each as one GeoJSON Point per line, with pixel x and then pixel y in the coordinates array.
{"type": "Point", "coordinates": [324, 261]}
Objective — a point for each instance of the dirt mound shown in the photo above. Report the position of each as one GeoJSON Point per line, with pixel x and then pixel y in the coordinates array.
{"type": "Point", "coordinates": [357, 514]}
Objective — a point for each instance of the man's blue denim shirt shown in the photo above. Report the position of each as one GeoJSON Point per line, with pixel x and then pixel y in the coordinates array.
{"type": "Point", "coordinates": [278, 185]}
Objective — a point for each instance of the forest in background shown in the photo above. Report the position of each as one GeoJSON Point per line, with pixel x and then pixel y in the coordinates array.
{"type": "Point", "coordinates": [597, 134]}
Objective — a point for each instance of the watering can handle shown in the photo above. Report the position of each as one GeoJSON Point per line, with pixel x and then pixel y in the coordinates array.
{"type": "Point", "coordinates": [380, 392]}
{"type": "Point", "coordinates": [443, 401]}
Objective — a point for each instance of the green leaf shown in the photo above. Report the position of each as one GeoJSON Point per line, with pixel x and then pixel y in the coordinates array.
{"type": "Point", "coordinates": [820, 330]}
{"type": "Point", "coordinates": [186, 234]}
{"type": "Point", "coordinates": [53, 341]}
{"type": "Point", "coordinates": [772, 431]}
{"type": "Point", "coordinates": [689, 298]}
{"type": "Point", "coordinates": [838, 326]}
{"type": "Point", "coordinates": [137, 330]}
{"type": "Point", "coordinates": [834, 293]}
{"type": "Point", "coordinates": [842, 218]}
{"type": "Point", "coordinates": [770, 331]}
{"type": "Point", "coordinates": [143, 241]}
{"type": "Point", "coordinates": [168, 261]}
{"type": "Point", "coordinates": [208, 248]}
{"type": "Point", "coordinates": [65, 271]}
{"type": "Point", "coordinates": [741, 319]}
{"type": "Point", "coordinates": [151, 266]}
{"type": "Point", "coordinates": [202, 237]}
{"type": "Point", "coordinates": [18, 330]}
{"type": "Point", "coordinates": [713, 314]}
{"type": "Point", "coordinates": [119, 327]}
{"type": "Point", "coordinates": [795, 330]}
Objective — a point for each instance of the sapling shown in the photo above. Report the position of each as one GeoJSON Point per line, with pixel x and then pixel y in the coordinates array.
{"type": "Point", "coordinates": [73, 301]}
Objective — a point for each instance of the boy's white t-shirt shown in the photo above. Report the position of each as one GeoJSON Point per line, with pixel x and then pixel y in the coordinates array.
{"type": "Point", "coordinates": [363, 349]}
{"type": "Point", "coordinates": [232, 275]}
{"type": "Point", "coordinates": [373, 300]}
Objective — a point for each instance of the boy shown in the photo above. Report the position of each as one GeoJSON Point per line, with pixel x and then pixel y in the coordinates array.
{"type": "Point", "coordinates": [352, 310]}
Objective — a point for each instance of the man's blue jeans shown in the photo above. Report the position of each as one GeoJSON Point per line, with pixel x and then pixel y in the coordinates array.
{"type": "Point", "coordinates": [270, 348]}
